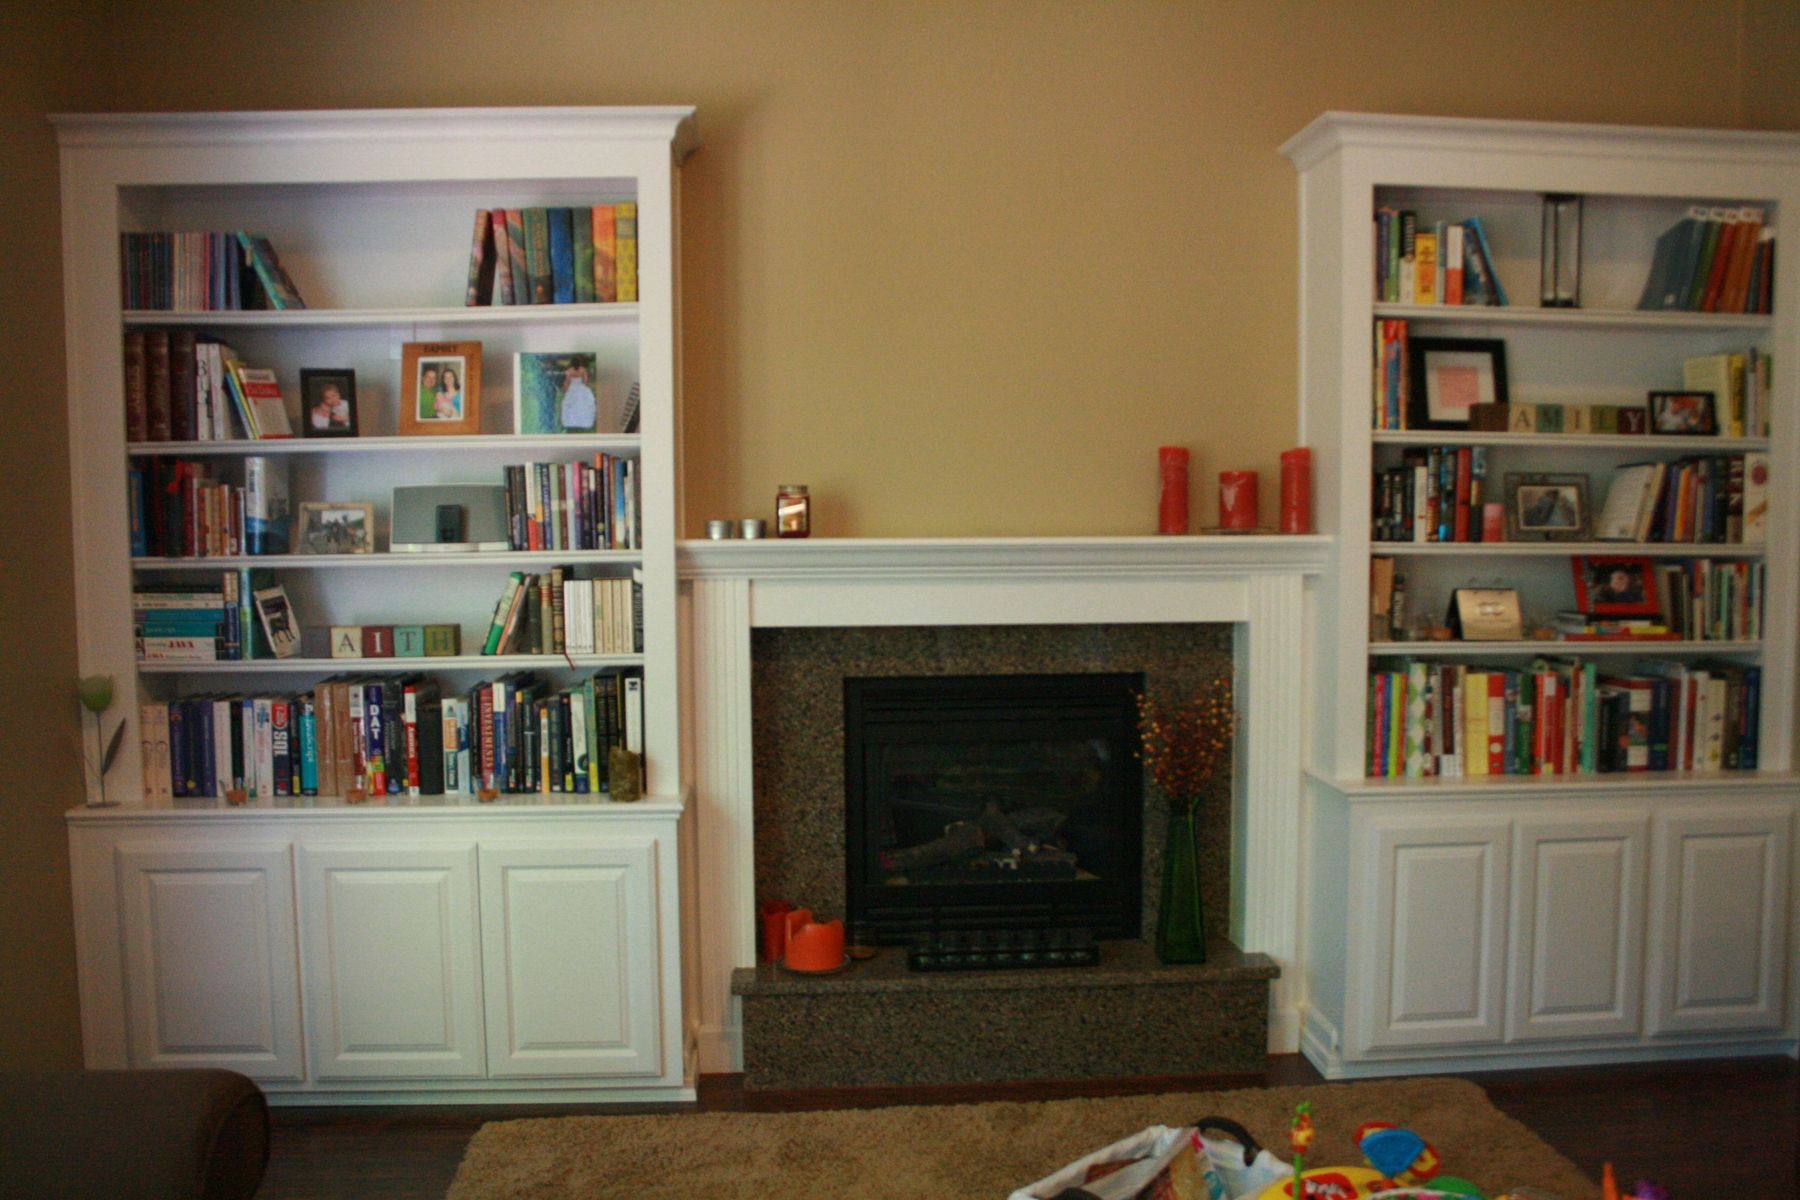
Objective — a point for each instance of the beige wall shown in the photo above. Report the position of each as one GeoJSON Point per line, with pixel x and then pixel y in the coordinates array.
{"type": "Point", "coordinates": [959, 266]}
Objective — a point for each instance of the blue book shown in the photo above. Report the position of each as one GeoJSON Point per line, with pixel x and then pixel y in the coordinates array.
{"type": "Point", "coordinates": [204, 748]}
{"type": "Point", "coordinates": [140, 529]}
{"type": "Point", "coordinates": [178, 748]}
{"type": "Point", "coordinates": [1475, 226]}
{"type": "Point", "coordinates": [562, 255]}
{"type": "Point", "coordinates": [309, 747]}
{"type": "Point", "coordinates": [1747, 741]}
{"type": "Point", "coordinates": [376, 739]}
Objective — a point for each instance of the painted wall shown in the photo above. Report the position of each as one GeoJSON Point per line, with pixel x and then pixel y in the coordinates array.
{"type": "Point", "coordinates": [960, 266]}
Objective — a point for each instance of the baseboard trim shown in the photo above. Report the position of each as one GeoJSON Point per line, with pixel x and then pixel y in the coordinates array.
{"type": "Point", "coordinates": [1315, 1046]}
{"type": "Point", "coordinates": [485, 1097]}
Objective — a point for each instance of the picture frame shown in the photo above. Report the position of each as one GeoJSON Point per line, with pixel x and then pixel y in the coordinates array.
{"type": "Point", "coordinates": [1486, 615]}
{"type": "Point", "coordinates": [554, 393]}
{"type": "Point", "coordinates": [327, 402]}
{"type": "Point", "coordinates": [1450, 376]}
{"type": "Point", "coordinates": [336, 527]}
{"type": "Point", "coordinates": [440, 388]}
{"type": "Point", "coordinates": [1615, 585]}
{"type": "Point", "coordinates": [1546, 508]}
{"type": "Point", "coordinates": [279, 623]}
{"type": "Point", "coordinates": [1683, 414]}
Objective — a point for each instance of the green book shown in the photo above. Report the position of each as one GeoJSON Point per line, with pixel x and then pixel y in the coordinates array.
{"type": "Point", "coordinates": [584, 256]}
{"type": "Point", "coordinates": [537, 254]}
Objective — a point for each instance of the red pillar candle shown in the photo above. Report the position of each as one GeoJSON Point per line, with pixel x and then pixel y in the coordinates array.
{"type": "Point", "coordinates": [1172, 515]}
{"type": "Point", "coordinates": [1237, 499]}
{"type": "Point", "coordinates": [1296, 490]}
{"type": "Point", "coordinates": [774, 929]}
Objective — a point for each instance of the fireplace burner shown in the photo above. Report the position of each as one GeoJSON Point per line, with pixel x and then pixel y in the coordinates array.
{"type": "Point", "coordinates": [994, 802]}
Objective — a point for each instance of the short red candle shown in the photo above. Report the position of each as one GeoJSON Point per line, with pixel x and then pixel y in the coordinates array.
{"type": "Point", "coordinates": [1296, 490]}
{"type": "Point", "coordinates": [1237, 499]}
{"type": "Point", "coordinates": [1172, 515]}
{"type": "Point", "coordinates": [774, 929]}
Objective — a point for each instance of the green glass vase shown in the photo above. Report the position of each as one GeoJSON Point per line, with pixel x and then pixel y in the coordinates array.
{"type": "Point", "coordinates": [1180, 920]}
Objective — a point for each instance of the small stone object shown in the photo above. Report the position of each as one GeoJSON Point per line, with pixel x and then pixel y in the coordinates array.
{"type": "Point", "coordinates": [624, 775]}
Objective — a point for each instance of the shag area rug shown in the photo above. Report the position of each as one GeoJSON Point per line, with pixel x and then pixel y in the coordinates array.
{"type": "Point", "coordinates": [972, 1151]}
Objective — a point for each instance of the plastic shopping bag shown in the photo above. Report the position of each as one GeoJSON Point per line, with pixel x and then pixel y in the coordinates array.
{"type": "Point", "coordinates": [1242, 1166]}
{"type": "Point", "coordinates": [1158, 1163]}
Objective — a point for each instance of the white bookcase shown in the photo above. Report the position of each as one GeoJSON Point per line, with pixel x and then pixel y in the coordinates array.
{"type": "Point", "coordinates": [371, 213]}
{"type": "Point", "coordinates": [1472, 921]}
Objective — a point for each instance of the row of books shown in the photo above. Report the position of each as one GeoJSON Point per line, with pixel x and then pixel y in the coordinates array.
{"type": "Point", "coordinates": [1710, 498]}
{"type": "Point", "coordinates": [1711, 600]}
{"type": "Point", "coordinates": [1715, 259]}
{"type": "Point", "coordinates": [245, 614]}
{"type": "Point", "coordinates": [184, 508]}
{"type": "Point", "coordinates": [1739, 383]}
{"type": "Point", "coordinates": [202, 272]}
{"type": "Point", "coordinates": [185, 386]}
{"type": "Point", "coordinates": [1561, 716]}
{"type": "Point", "coordinates": [574, 505]}
{"type": "Point", "coordinates": [556, 612]}
{"type": "Point", "coordinates": [1392, 388]}
{"type": "Point", "coordinates": [1439, 263]}
{"type": "Point", "coordinates": [363, 738]}
{"type": "Point", "coordinates": [1435, 494]}
{"type": "Point", "coordinates": [554, 255]}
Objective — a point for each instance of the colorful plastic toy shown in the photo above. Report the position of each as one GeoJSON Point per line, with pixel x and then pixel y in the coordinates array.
{"type": "Point", "coordinates": [1398, 1153]}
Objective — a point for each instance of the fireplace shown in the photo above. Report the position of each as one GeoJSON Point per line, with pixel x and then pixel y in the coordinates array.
{"type": "Point", "coordinates": [992, 802]}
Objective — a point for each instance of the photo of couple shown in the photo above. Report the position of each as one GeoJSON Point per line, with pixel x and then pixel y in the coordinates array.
{"type": "Point", "coordinates": [440, 388]}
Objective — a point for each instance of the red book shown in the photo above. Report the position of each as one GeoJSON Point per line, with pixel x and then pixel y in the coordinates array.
{"type": "Point", "coordinates": [1496, 726]}
{"type": "Point", "coordinates": [1721, 262]}
{"type": "Point", "coordinates": [484, 718]}
{"type": "Point", "coordinates": [409, 716]}
{"type": "Point", "coordinates": [1460, 532]}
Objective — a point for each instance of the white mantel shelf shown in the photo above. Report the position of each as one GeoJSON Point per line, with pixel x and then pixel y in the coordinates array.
{"type": "Point", "coordinates": [1258, 583]}
{"type": "Point", "coordinates": [773, 558]}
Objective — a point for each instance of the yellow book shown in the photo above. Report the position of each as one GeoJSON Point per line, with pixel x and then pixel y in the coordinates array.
{"type": "Point", "coordinates": [626, 247]}
{"type": "Point", "coordinates": [1425, 259]}
{"type": "Point", "coordinates": [1475, 723]}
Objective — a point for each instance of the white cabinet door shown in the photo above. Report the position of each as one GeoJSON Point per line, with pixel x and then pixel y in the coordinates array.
{"type": "Point", "coordinates": [1435, 900]}
{"type": "Point", "coordinates": [1578, 926]}
{"type": "Point", "coordinates": [570, 949]}
{"type": "Point", "coordinates": [393, 970]}
{"type": "Point", "coordinates": [210, 958]}
{"type": "Point", "coordinates": [1718, 936]}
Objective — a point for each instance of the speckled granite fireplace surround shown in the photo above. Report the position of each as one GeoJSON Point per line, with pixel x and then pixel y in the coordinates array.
{"type": "Point", "coordinates": [879, 1024]}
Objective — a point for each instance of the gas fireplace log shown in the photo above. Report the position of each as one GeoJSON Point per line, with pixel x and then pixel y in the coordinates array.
{"type": "Point", "coordinates": [959, 841]}
{"type": "Point", "coordinates": [999, 828]}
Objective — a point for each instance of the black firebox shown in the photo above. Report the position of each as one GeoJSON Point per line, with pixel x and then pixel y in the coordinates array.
{"type": "Point", "coordinates": [993, 802]}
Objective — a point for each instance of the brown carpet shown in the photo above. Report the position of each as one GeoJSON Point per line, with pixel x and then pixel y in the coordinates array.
{"type": "Point", "coordinates": [977, 1151]}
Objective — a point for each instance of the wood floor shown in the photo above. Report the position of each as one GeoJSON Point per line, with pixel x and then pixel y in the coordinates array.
{"type": "Point", "coordinates": [1706, 1131]}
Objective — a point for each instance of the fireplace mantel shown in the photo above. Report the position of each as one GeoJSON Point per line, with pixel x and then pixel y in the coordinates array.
{"type": "Point", "coordinates": [1258, 584]}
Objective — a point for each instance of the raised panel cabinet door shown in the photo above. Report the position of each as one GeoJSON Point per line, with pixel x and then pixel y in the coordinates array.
{"type": "Point", "coordinates": [393, 966]}
{"type": "Point", "coordinates": [1719, 913]}
{"type": "Point", "coordinates": [1578, 927]}
{"type": "Point", "coordinates": [211, 958]}
{"type": "Point", "coordinates": [571, 953]}
{"type": "Point", "coordinates": [1435, 893]}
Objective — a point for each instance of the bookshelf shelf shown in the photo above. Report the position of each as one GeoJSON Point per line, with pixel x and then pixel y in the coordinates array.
{"type": "Point", "coordinates": [1574, 318]}
{"type": "Point", "coordinates": [1589, 904]}
{"type": "Point", "coordinates": [485, 444]}
{"type": "Point", "coordinates": [1646, 647]}
{"type": "Point", "coordinates": [474, 317]}
{"type": "Point", "coordinates": [393, 666]}
{"type": "Point", "coordinates": [387, 560]}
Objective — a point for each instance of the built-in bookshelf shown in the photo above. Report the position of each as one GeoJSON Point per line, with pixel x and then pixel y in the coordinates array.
{"type": "Point", "coordinates": [1600, 885]}
{"type": "Point", "coordinates": [328, 929]}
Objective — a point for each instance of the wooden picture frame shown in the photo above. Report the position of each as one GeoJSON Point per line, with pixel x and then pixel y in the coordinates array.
{"type": "Point", "coordinates": [327, 402]}
{"type": "Point", "coordinates": [1615, 585]}
{"type": "Point", "coordinates": [1684, 414]}
{"type": "Point", "coordinates": [440, 388]}
{"type": "Point", "coordinates": [1546, 508]}
{"type": "Point", "coordinates": [1450, 376]}
{"type": "Point", "coordinates": [332, 527]}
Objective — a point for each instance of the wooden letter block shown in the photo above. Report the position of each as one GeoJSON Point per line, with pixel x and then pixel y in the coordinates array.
{"type": "Point", "coordinates": [378, 641]}
{"type": "Point", "coordinates": [409, 641]}
{"type": "Point", "coordinates": [1634, 420]}
{"type": "Point", "coordinates": [443, 641]}
{"type": "Point", "coordinates": [346, 641]}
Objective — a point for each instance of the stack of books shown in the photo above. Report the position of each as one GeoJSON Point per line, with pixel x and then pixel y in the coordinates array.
{"type": "Point", "coordinates": [202, 272]}
{"type": "Point", "coordinates": [1433, 262]}
{"type": "Point", "coordinates": [574, 506]}
{"type": "Point", "coordinates": [1715, 259]}
{"type": "Point", "coordinates": [554, 255]}
{"type": "Point", "coordinates": [555, 612]}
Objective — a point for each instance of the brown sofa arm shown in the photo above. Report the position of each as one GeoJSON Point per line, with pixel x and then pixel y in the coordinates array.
{"type": "Point", "coordinates": [132, 1135]}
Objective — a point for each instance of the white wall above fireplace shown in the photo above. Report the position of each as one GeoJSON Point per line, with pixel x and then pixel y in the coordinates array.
{"type": "Point", "coordinates": [1258, 584]}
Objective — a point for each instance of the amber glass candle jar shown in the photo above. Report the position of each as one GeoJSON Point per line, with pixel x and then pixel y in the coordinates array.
{"type": "Point", "coordinates": [793, 511]}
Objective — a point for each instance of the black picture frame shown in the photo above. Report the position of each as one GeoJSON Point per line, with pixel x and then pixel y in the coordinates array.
{"type": "Point", "coordinates": [316, 384]}
{"type": "Point", "coordinates": [1448, 376]}
{"type": "Point", "coordinates": [1684, 414]}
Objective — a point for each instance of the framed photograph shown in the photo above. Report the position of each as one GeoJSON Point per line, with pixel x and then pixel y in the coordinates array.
{"type": "Point", "coordinates": [440, 388]}
{"type": "Point", "coordinates": [554, 393]}
{"type": "Point", "coordinates": [331, 528]}
{"type": "Point", "coordinates": [278, 620]}
{"type": "Point", "coordinates": [1450, 376]}
{"type": "Point", "coordinates": [328, 402]}
{"type": "Point", "coordinates": [1546, 508]}
{"type": "Point", "coordinates": [1486, 615]}
{"type": "Point", "coordinates": [1684, 413]}
{"type": "Point", "coordinates": [1611, 586]}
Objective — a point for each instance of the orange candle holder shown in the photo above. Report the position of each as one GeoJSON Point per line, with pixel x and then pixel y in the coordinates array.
{"type": "Point", "coordinates": [811, 945]}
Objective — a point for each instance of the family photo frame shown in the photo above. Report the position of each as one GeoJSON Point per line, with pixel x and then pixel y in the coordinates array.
{"type": "Point", "coordinates": [327, 402]}
{"type": "Point", "coordinates": [1450, 376]}
{"type": "Point", "coordinates": [1683, 414]}
{"type": "Point", "coordinates": [1546, 508]}
{"type": "Point", "coordinates": [440, 388]}
{"type": "Point", "coordinates": [1615, 586]}
{"type": "Point", "coordinates": [331, 527]}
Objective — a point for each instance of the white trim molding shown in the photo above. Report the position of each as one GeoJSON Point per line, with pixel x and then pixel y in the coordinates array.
{"type": "Point", "coordinates": [1256, 583]}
